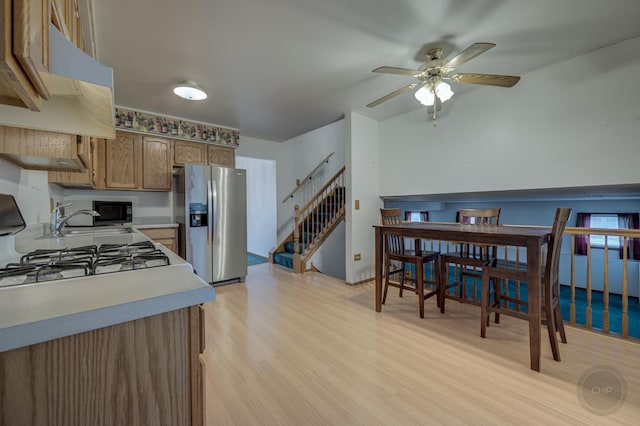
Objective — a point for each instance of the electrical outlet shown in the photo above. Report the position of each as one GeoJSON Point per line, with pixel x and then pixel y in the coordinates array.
{"type": "Point", "coordinates": [357, 257]}
{"type": "Point", "coordinates": [357, 205]}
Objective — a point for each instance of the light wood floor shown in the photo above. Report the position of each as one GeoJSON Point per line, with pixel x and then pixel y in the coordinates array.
{"type": "Point", "coordinates": [297, 350]}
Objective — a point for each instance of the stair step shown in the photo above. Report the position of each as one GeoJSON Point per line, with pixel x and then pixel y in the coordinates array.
{"type": "Point", "coordinates": [289, 246]}
{"type": "Point", "coordinates": [283, 259]}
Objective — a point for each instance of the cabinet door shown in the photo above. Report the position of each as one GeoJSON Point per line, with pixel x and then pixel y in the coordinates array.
{"type": "Point", "coordinates": [221, 156]}
{"type": "Point", "coordinates": [121, 160]}
{"type": "Point", "coordinates": [156, 163]}
{"type": "Point", "coordinates": [31, 41]}
{"type": "Point", "coordinates": [168, 237]}
{"type": "Point", "coordinates": [189, 153]}
{"type": "Point", "coordinates": [16, 87]}
{"type": "Point", "coordinates": [85, 179]}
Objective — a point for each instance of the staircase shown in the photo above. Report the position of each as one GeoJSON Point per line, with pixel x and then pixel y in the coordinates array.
{"type": "Point", "coordinates": [313, 224]}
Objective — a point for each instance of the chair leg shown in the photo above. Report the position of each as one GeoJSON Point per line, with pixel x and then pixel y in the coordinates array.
{"type": "Point", "coordinates": [484, 304]}
{"type": "Point", "coordinates": [439, 285]}
{"type": "Point", "coordinates": [551, 325]}
{"type": "Point", "coordinates": [420, 285]}
{"type": "Point", "coordinates": [386, 280]}
{"type": "Point", "coordinates": [560, 322]}
{"type": "Point", "coordinates": [497, 298]}
{"type": "Point", "coordinates": [442, 282]}
{"type": "Point", "coordinates": [402, 279]}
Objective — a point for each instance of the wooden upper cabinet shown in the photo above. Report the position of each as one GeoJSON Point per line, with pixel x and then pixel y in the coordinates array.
{"type": "Point", "coordinates": [91, 151]}
{"type": "Point", "coordinates": [122, 157]}
{"type": "Point", "coordinates": [189, 153]}
{"type": "Point", "coordinates": [16, 87]}
{"type": "Point", "coordinates": [40, 150]}
{"type": "Point", "coordinates": [157, 163]}
{"type": "Point", "coordinates": [31, 20]}
{"type": "Point", "coordinates": [65, 15]}
{"type": "Point", "coordinates": [220, 156]}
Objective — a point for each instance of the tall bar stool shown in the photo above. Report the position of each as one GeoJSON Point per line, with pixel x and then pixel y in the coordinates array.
{"type": "Point", "coordinates": [493, 275]}
{"type": "Point", "coordinates": [397, 257]}
{"type": "Point", "coordinates": [469, 259]}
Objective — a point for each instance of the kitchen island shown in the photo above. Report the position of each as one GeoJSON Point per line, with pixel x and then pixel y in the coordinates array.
{"type": "Point", "coordinates": [117, 348]}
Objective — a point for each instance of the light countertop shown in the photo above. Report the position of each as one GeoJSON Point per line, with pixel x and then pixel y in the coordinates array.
{"type": "Point", "coordinates": [34, 313]}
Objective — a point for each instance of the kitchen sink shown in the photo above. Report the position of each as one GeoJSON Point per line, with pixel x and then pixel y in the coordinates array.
{"type": "Point", "coordinates": [90, 232]}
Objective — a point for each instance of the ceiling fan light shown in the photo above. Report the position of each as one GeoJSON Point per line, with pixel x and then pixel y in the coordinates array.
{"type": "Point", "coordinates": [190, 91]}
{"type": "Point", "coordinates": [443, 91]}
{"type": "Point", "coordinates": [425, 96]}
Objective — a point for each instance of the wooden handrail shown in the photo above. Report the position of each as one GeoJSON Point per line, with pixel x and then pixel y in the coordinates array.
{"type": "Point", "coordinates": [301, 182]}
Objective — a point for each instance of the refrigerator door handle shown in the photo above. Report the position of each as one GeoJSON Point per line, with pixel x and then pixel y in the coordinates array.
{"type": "Point", "coordinates": [210, 212]}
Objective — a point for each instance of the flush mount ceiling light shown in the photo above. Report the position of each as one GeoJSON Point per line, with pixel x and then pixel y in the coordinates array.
{"type": "Point", "coordinates": [190, 91]}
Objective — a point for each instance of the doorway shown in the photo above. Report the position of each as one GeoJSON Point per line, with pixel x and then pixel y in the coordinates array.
{"type": "Point", "coordinates": [261, 204]}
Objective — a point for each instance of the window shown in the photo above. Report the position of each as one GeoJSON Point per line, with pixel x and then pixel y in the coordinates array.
{"type": "Point", "coordinates": [416, 216]}
{"type": "Point", "coordinates": [604, 221]}
{"type": "Point", "coordinates": [608, 221]}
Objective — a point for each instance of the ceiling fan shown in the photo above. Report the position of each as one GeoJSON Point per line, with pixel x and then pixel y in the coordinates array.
{"type": "Point", "coordinates": [432, 88]}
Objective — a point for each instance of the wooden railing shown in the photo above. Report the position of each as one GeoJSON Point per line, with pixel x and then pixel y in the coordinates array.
{"type": "Point", "coordinates": [316, 219]}
{"type": "Point", "coordinates": [597, 273]}
{"type": "Point", "coordinates": [622, 287]}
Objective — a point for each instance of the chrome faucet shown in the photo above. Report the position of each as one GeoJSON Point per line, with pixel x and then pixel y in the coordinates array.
{"type": "Point", "coordinates": [58, 222]}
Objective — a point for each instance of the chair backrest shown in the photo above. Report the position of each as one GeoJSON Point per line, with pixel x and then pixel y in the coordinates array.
{"type": "Point", "coordinates": [394, 243]}
{"type": "Point", "coordinates": [479, 216]}
{"type": "Point", "coordinates": [551, 271]}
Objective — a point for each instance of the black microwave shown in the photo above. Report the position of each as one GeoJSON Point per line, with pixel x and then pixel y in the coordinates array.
{"type": "Point", "coordinates": [111, 213]}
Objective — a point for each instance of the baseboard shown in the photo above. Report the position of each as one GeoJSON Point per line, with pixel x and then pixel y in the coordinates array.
{"type": "Point", "coordinates": [360, 282]}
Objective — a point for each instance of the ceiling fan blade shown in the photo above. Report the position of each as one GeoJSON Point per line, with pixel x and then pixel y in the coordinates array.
{"type": "Point", "coordinates": [395, 70]}
{"type": "Point", "coordinates": [392, 94]}
{"type": "Point", "coordinates": [486, 79]}
{"type": "Point", "coordinates": [468, 54]}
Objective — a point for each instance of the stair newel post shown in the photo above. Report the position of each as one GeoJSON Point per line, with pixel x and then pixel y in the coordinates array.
{"type": "Point", "coordinates": [296, 241]}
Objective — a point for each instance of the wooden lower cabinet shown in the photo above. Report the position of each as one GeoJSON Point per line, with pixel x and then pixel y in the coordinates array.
{"type": "Point", "coordinates": [168, 237]}
{"type": "Point", "coordinates": [142, 372]}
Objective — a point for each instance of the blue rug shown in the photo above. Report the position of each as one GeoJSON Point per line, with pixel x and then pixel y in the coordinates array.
{"type": "Point", "coordinates": [254, 259]}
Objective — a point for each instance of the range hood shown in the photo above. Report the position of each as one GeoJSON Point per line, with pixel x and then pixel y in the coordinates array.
{"type": "Point", "coordinates": [81, 95]}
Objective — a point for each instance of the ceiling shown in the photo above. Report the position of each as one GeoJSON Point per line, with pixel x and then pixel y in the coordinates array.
{"type": "Point", "coordinates": [278, 68]}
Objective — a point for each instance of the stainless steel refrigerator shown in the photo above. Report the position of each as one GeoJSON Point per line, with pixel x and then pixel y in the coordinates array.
{"type": "Point", "coordinates": [211, 207]}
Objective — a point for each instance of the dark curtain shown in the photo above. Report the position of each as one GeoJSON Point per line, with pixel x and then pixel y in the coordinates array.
{"type": "Point", "coordinates": [630, 221]}
{"type": "Point", "coordinates": [583, 220]}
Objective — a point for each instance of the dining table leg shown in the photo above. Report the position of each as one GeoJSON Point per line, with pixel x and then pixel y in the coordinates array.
{"type": "Point", "coordinates": [533, 286]}
{"type": "Point", "coordinates": [378, 270]}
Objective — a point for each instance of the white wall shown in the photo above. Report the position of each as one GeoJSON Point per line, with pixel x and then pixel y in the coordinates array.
{"type": "Point", "coordinates": [282, 154]}
{"type": "Point", "coordinates": [309, 150]}
{"type": "Point", "coordinates": [363, 168]}
{"type": "Point", "coordinates": [261, 204]}
{"type": "Point", "coordinates": [30, 189]}
{"type": "Point", "coordinates": [294, 159]}
{"type": "Point", "coordinates": [575, 123]}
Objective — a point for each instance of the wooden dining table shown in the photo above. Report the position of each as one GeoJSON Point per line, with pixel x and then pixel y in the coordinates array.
{"type": "Point", "coordinates": [515, 236]}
